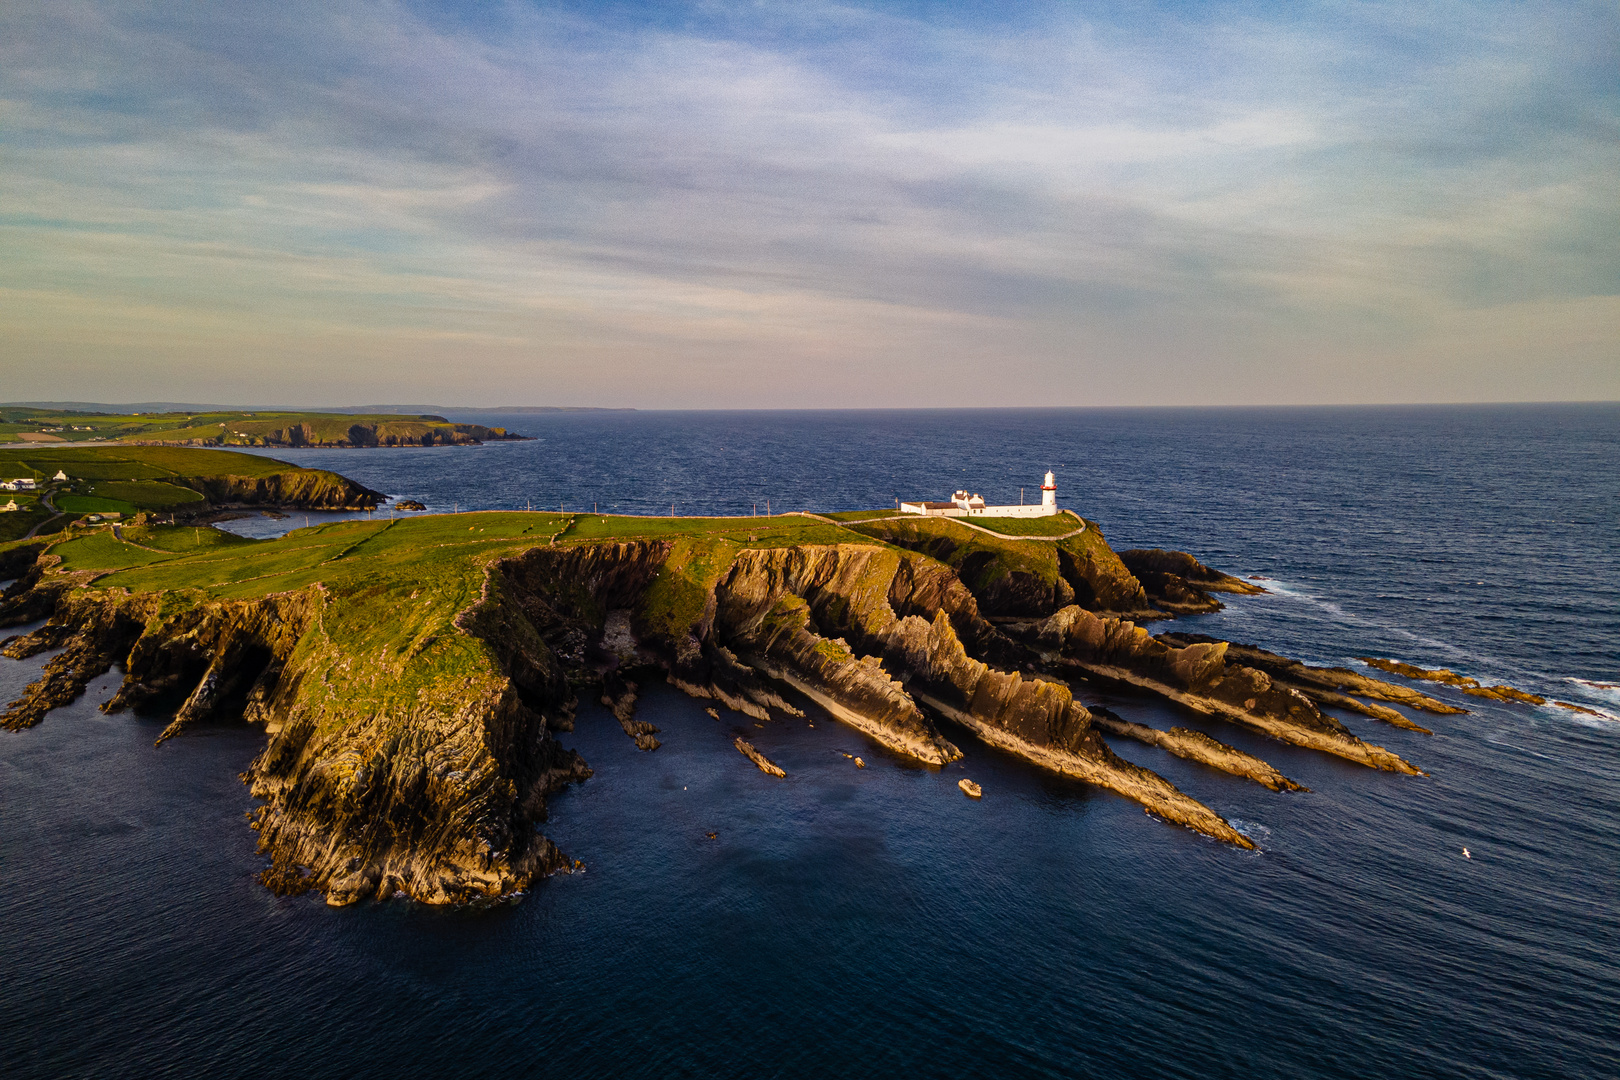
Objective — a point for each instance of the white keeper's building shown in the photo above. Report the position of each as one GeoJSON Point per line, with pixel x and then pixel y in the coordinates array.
{"type": "Point", "coordinates": [964, 505]}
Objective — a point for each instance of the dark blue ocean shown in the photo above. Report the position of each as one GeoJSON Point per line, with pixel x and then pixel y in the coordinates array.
{"type": "Point", "coordinates": [874, 922]}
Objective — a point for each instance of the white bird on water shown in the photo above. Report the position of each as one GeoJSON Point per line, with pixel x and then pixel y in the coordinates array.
{"type": "Point", "coordinates": [1466, 855]}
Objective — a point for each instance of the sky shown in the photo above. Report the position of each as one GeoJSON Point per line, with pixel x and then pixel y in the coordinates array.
{"type": "Point", "coordinates": [764, 205]}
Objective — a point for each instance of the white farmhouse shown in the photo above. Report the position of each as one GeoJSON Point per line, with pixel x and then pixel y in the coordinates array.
{"type": "Point", "coordinates": [10, 507]}
{"type": "Point", "coordinates": [26, 483]}
{"type": "Point", "coordinates": [963, 504]}
{"type": "Point", "coordinates": [60, 475]}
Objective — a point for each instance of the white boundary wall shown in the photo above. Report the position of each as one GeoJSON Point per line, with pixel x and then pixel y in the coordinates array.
{"type": "Point", "coordinates": [1028, 510]}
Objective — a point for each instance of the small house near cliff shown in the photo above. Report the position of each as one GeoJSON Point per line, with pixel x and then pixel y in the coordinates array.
{"type": "Point", "coordinates": [963, 504]}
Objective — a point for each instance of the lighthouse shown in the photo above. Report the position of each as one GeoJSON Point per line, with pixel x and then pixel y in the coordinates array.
{"type": "Point", "coordinates": [963, 504]}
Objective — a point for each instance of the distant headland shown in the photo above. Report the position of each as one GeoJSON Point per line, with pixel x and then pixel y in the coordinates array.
{"type": "Point", "coordinates": [126, 408]}
{"type": "Point", "coordinates": [239, 427]}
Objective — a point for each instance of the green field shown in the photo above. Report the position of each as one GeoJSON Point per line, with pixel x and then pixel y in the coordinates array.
{"type": "Point", "coordinates": [96, 463]}
{"type": "Point", "coordinates": [1065, 521]}
{"type": "Point", "coordinates": [1056, 525]}
{"type": "Point", "coordinates": [860, 515]}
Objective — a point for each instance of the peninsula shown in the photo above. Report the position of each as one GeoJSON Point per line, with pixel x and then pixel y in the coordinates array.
{"type": "Point", "coordinates": [412, 676]}
{"type": "Point", "coordinates": [56, 486]}
{"type": "Point", "coordinates": [239, 428]}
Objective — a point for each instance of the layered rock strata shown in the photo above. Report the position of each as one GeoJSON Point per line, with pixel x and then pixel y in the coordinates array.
{"type": "Point", "coordinates": [879, 638]}
{"type": "Point", "coordinates": [1199, 747]}
{"type": "Point", "coordinates": [1447, 677]}
{"type": "Point", "coordinates": [1330, 685]}
{"type": "Point", "coordinates": [1198, 677]}
{"type": "Point", "coordinates": [913, 616]}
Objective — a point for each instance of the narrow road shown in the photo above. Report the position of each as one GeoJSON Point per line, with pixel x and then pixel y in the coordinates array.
{"type": "Point", "coordinates": [958, 520]}
{"type": "Point", "coordinates": [45, 501]}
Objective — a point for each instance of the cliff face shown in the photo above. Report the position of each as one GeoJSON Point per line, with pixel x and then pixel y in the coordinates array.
{"type": "Point", "coordinates": [1101, 581]}
{"type": "Point", "coordinates": [878, 637]}
{"type": "Point", "coordinates": [1179, 583]}
{"type": "Point", "coordinates": [434, 795]}
{"type": "Point", "coordinates": [909, 616]}
{"type": "Point", "coordinates": [428, 431]}
{"type": "Point", "coordinates": [308, 489]}
{"type": "Point", "coordinates": [1020, 578]}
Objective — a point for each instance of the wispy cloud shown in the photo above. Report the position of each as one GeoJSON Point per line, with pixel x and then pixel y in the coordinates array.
{"type": "Point", "coordinates": [803, 204]}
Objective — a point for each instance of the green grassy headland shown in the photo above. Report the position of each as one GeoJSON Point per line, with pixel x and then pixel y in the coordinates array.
{"type": "Point", "coordinates": [393, 587]}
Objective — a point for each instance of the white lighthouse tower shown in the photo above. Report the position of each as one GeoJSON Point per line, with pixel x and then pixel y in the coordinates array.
{"type": "Point", "coordinates": [1049, 494]}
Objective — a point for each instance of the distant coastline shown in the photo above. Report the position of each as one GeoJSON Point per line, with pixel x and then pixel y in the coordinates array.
{"type": "Point", "coordinates": [133, 408]}
{"type": "Point", "coordinates": [241, 428]}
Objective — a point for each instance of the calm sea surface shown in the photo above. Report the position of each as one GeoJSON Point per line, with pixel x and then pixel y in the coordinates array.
{"type": "Point", "coordinates": [874, 922]}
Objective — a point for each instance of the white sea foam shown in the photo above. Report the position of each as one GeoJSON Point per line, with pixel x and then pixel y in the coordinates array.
{"type": "Point", "coordinates": [1252, 829]}
{"type": "Point", "coordinates": [1606, 692]}
{"type": "Point", "coordinates": [1294, 592]}
{"type": "Point", "coordinates": [1483, 668]}
{"type": "Point", "coordinates": [1604, 719]}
